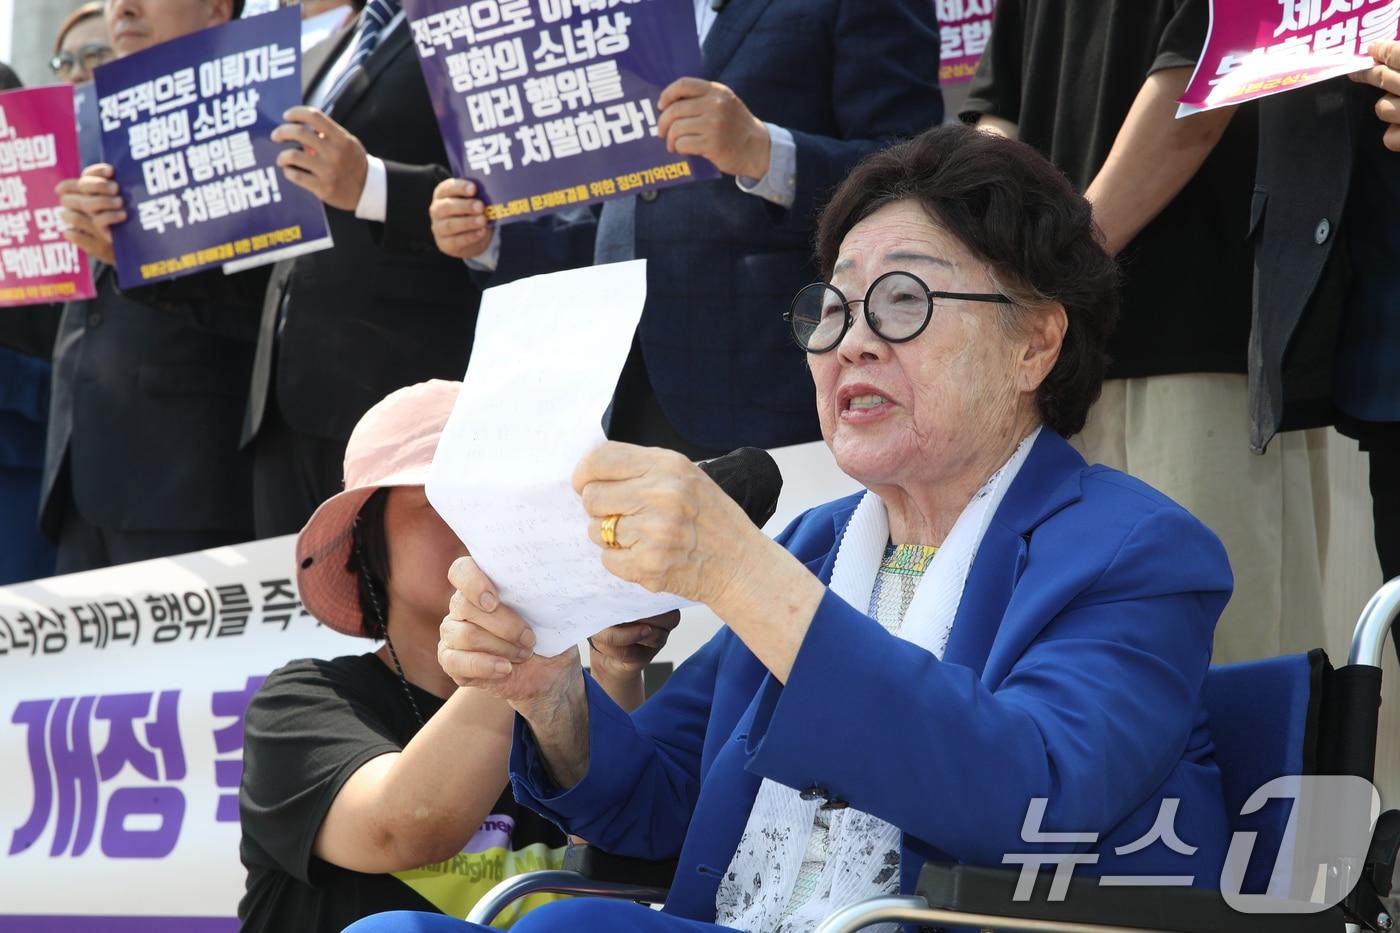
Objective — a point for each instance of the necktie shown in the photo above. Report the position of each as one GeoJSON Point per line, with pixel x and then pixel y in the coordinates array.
{"type": "Point", "coordinates": [376, 15]}
{"type": "Point", "coordinates": [616, 240]}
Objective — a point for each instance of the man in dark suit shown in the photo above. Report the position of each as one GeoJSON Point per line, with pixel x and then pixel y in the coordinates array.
{"type": "Point", "coordinates": [792, 94]}
{"type": "Point", "coordinates": [383, 309]}
{"type": "Point", "coordinates": [1325, 345]}
{"type": "Point", "coordinates": [142, 456]}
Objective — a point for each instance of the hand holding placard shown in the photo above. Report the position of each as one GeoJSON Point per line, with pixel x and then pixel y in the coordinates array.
{"type": "Point", "coordinates": [552, 105]}
{"type": "Point", "coordinates": [707, 119]}
{"type": "Point", "coordinates": [1386, 76]}
{"type": "Point", "coordinates": [38, 151]}
{"type": "Point", "coordinates": [91, 205]}
{"type": "Point", "coordinates": [459, 219]}
{"type": "Point", "coordinates": [331, 163]}
{"type": "Point", "coordinates": [1260, 47]}
{"type": "Point", "coordinates": [187, 128]}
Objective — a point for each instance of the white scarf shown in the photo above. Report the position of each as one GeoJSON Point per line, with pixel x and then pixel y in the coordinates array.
{"type": "Point", "coordinates": [758, 885]}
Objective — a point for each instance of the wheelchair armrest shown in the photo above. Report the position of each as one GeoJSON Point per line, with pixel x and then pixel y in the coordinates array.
{"type": "Point", "coordinates": [587, 871]}
{"type": "Point", "coordinates": [596, 865]}
{"type": "Point", "coordinates": [974, 890]}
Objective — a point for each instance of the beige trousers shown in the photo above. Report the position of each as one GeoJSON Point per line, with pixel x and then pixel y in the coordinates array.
{"type": "Point", "coordinates": [1187, 435]}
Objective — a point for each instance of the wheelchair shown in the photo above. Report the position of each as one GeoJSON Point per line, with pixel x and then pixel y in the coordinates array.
{"type": "Point", "coordinates": [1285, 716]}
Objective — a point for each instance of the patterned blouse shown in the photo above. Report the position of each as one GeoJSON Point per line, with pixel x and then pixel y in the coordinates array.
{"type": "Point", "coordinates": [900, 572]}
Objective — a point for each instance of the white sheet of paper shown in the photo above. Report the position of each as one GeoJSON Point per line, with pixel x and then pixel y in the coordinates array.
{"type": "Point", "coordinates": [545, 361]}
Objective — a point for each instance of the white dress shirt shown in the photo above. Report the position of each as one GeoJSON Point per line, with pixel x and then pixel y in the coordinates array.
{"type": "Point", "coordinates": [374, 197]}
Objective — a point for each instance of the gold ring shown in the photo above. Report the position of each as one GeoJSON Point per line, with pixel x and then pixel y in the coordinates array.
{"type": "Point", "coordinates": [608, 532]}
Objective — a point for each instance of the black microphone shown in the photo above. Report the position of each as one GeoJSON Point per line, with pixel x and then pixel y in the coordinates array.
{"type": "Point", "coordinates": [718, 5]}
{"type": "Point", "coordinates": [751, 478]}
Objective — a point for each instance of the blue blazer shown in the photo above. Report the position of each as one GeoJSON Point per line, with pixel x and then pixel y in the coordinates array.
{"type": "Point", "coordinates": [1073, 673]}
{"type": "Point", "coordinates": [846, 78]}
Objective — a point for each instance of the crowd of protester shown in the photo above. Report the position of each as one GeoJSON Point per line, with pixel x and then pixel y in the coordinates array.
{"type": "Point", "coordinates": [1185, 301]}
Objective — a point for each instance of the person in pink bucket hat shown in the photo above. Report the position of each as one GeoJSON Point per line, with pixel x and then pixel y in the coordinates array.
{"type": "Point", "coordinates": [371, 782]}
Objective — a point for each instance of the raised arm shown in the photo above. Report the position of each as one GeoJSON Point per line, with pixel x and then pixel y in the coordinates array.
{"type": "Point", "coordinates": [404, 809]}
{"type": "Point", "coordinates": [627, 783]}
{"type": "Point", "coordinates": [1091, 715]}
{"type": "Point", "coordinates": [1153, 157]}
{"type": "Point", "coordinates": [326, 774]}
{"type": "Point", "coordinates": [332, 163]}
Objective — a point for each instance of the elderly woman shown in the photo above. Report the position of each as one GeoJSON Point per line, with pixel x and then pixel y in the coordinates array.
{"type": "Point", "coordinates": [993, 641]}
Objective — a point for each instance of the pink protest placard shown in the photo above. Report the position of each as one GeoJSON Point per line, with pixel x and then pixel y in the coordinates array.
{"type": "Point", "coordinates": [38, 149]}
{"type": "Point", "coordinates": [964, 26]}
{"type": "Point", "coordinates": [1260, 47]}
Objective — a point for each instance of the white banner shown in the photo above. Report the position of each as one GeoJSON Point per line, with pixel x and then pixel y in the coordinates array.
{"type": "Point", "coordinates": [122, 694]}
{"type": "Point", "coordinates": [121, 731]}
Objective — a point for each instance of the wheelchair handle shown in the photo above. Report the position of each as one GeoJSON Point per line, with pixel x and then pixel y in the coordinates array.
{"type": "Point", "coordinates": [1373, 628]}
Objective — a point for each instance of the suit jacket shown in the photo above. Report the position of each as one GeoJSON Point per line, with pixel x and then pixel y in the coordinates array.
{"type": "Point", "coordinates": [383, 309]}
{"type": "Point", "coordinates": [846, 77]}
{"type": "Point", "coordinates": [1074, 673]}
{"type": "Point", "coordinates": [148, 397]}
{"type": "Point", "coordinates": [1307, 150]}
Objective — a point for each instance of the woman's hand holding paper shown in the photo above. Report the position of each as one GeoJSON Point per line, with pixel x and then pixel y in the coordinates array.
{"type": "Point", "coordinates": [488, 645]}
{"type": "Point", "coordinates": [676, 530]}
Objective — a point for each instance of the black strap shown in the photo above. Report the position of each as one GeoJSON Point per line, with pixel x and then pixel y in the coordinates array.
{"type": "Point", "coordinates": [1351, 705]}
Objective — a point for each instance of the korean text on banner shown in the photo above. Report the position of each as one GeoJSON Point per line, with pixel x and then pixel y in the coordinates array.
{"type": "Point", "coordinates": [122, 693]}
{"type": "Point", "coordinates": [38, 149]}
{"type": "Point", "coordinates": [964, 26]}
{"type": "Point", "coordinates": [1260, 47]}
{"type": "Point", "coordinates": [186, 125]}
{"type": "Point", "coordinates": [549, 103]}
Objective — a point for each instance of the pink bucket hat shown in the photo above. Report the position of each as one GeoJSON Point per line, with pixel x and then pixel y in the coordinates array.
{"type": "Point", "coordinates": [393, 445]}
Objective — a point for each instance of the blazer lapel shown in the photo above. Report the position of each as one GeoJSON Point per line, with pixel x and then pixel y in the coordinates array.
{"type": "Point", "coordinates": [390, 47]}
{"type": "Point", "coordinates": [1049, 480]}
{"type": "Point", "coordinates": [729, 31]}
{"type": "Point", "coordinates": [823, 566]}
{"type": "Point", "coordinates": [315, 62]}
{"type": "Point", "coordinates": [1000, 559]}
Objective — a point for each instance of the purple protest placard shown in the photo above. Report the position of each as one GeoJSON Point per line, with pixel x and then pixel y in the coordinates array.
{"type": "Point", "coordinates": [964, 26]}
{"type": "Point", "coordinates": [548, 103]}
{"type": "Point", "coordinates": [186, 125]}
{"type": "Point", "coordinates": [1260, 47]}
{"type": "Point", "coordinates": [38, 149]}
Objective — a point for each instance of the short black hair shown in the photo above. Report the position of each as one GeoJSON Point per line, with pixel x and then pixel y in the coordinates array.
{"type": "Point", "coordinates": [1013, 210]}
{"type": "Point", "coordinates": [369, 561]}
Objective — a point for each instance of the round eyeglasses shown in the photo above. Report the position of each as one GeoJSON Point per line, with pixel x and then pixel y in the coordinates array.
{"type": "Point", "coordinates": [88, 58]}
{"type": "Point", "coordinates": [898, 307]}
